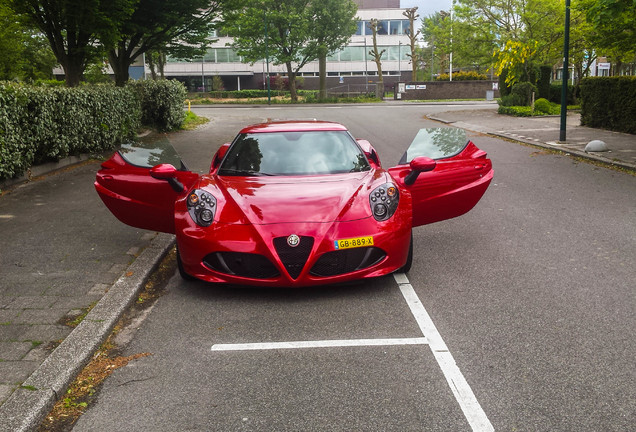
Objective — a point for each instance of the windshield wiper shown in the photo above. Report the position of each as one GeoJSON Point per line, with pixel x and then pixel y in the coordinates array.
{"type": "Point", "coordinates": [237, 172]}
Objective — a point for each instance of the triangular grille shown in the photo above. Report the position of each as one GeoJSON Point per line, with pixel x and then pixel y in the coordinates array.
{"type": "Point", "coordinates": [294, 258]}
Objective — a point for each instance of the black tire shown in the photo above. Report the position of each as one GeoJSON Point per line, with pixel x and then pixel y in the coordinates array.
{"type": "Point", "coordinates": [409, 259]}
{"type": "Point", "coordinates": [182, 272]}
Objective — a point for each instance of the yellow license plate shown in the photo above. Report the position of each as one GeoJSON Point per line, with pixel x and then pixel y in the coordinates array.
{"type": "Point", "coordinates": [354, 242]}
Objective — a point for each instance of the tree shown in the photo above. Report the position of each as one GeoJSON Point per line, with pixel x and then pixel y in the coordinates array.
{"type": "Point", "coordinates": [377, 55]}
{"type": "Point", "coordinates": [334, 24]}
{"type": "Point", "coordinates": [412, 15]}
{"type": "Point", "coordinates": [71, 27]}
{"type": "Point", "coordinates": [296, 32]}
{"type": "Point", "coordinates": [183, 25]}
{"type": "Point", "coordinates": [613, 23]}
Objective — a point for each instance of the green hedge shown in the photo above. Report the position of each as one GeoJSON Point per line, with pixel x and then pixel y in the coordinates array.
{"type": "Point", "coordinates": [40, 124]}
{"type": "Point", "coordinates": [161, 103]}
{"type": "Point", "coordinates": [609, 103]}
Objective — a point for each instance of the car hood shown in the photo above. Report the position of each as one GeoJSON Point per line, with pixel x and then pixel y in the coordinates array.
{"type": "Point", "coordinates": [289, 199]}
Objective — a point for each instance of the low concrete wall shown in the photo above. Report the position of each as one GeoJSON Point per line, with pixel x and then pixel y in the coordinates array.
{"type": "Point", "coordinates": [447, 90]}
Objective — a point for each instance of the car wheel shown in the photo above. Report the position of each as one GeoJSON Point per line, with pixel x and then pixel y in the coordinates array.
{"type": "Point", "coordinates": [409, 259]}
{"type": "Point", "coordinates": [182, 272]}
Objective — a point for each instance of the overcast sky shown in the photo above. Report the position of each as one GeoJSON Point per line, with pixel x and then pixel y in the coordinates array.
{"type": "Point", "coordinates": [426, 7]}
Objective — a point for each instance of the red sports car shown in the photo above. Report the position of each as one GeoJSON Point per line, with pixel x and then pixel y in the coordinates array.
{"type": "Point", "coordinates": [295, 203]}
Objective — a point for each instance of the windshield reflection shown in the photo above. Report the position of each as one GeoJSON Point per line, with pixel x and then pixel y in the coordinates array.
{"type": "Point", "coordinates": [436, 143]}
{"type": "Point", "coordinates": [151, 153]}
{"type": "Point", "coordinates": [293, 153]}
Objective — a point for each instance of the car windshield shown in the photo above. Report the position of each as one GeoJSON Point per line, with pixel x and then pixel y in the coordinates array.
{"type": "Point", "coordinates": [294, 153]}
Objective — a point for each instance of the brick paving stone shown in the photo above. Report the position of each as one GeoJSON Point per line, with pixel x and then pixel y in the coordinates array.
{"type": "Point", "coordinates": [40, 316]}
{"type": "Point", "coordinates": [32, 302]}
{"type": "Point", "coordinates": [13, 332]}
{"type": "Point", "coordinates": [14, 350]}
{"type": "Point", "coordinates": [46, 333]}
{"type": "Point", "coordinates": [16, 372]}
{"type": "Point", "coordinates": [5, 391]}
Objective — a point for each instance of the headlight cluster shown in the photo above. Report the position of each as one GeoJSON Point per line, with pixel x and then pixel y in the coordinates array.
{"type": "Point", "coordinates": [384, 201]}
{"type": "Point", "coordinates": [201, 206]}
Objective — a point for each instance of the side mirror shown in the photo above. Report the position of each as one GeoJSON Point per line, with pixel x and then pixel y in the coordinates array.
{"type": "Point", "coordinates": [418, 165]}
{"type": "Point", "coordinates": [167, 172]}
{"type": "Point", "coordinates": [163, 171]}
{"type": "Point", "coordinates": [218, 157]}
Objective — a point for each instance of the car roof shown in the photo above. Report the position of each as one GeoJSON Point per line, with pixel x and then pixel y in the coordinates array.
{"type": "Point", "coordinates": [294, 126]}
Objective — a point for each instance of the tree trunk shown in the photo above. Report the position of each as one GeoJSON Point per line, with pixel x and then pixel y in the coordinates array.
{"type": "Point", "coordinates": [120, 64]}
{"type": "Point", "coordinates": [73, 70]}
{"type": "Point", "coordinates": [292, 82]}
{"type": "Point", "coordinates": [322, 72]}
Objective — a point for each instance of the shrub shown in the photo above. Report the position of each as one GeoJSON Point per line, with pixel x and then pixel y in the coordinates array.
{"type": "Point", "coordinates": [544, 106]}
{"type": "Point", "coordinates": [38, 124]}
{"type": "Point", "coordinates": [161, 103]}
{"type": "Point", "coordinates": [543, 83]}
{"type": "Point", "coordinates": [523, 92]}
{"type": "Point", "coordinates": [463, 76]}
{"type": "Point", "coordinates": [555, 94]}
{"type": "Point", "coordinates": [609, 102]}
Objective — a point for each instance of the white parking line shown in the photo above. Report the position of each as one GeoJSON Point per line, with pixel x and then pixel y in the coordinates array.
{"type": "Point", "coordinates": [318, 344]}
{"type": "Point", "coordinates": [459, 386]}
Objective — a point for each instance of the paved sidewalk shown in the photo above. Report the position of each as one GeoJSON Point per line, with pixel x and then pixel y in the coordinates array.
{"type": "Point", "coordinates": [545, 132]}
{"type": "Point", "coordinates": [61, 254]}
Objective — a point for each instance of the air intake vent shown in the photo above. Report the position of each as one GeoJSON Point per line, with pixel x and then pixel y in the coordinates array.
{"type": "Point", "coordinates": [248, 265]}
{"type": "Point", "coordinates": [294, 258]}
{"type": "Point", "coordinates": [347, 261]}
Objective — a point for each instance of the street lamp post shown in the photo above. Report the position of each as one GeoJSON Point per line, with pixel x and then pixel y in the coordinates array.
{"type": "Point", "coordinates": [269, 96]}
{"type": "Point", "coordinates": [564, 75]}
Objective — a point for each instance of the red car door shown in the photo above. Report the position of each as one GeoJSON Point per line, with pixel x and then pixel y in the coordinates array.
{"type": "Point", "coordinates": [125, 185]}
{"type": "Point", "coordinates": [460, 178]}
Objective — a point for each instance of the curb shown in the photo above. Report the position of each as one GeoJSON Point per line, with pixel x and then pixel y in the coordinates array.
{"type": "Point", "coordinates": [46, 168]}
{"type": "Point", "coordinates": [27, 406]}
{"type": "Point", "coordinates": [546, 145]}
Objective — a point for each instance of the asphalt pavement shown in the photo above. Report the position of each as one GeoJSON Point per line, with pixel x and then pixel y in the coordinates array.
{"type": "Point", "coordinates": [61, 256]}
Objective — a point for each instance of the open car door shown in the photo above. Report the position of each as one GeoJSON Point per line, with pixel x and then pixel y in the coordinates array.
{"type": "Point", "coordinates": [127, 187]}
{"type": "Point", "coordinates": [454, 174]}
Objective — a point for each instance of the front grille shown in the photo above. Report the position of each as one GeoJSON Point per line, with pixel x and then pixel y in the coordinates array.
{"type": "Point", "coordinates": [249, 265]}
{"type": "Point", "coordinates": [346, 261]}
{"type": "Point", "coordinates": [294, 258]}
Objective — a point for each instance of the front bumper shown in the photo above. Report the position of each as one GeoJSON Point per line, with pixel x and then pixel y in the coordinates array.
{"type": "Point", "coordinates": [259, 255]}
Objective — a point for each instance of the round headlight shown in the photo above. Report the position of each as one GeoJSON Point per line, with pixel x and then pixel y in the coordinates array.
{"type": "Point", "coordinates": [201, 206]}
{"type": "Point", "coordinates": [206, 216]}
{"type": "Point", "coordinates": [383, 201]}
{"type": "Point", "coordinates": [380, 210]}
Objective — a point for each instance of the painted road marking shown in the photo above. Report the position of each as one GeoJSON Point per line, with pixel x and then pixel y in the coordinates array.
{"type": "Point", "coordinates": [318, 344]}
{"type": "Point", "coordinates": [459, 386]}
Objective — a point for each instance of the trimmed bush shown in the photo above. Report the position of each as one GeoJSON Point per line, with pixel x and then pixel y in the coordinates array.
{"type": "Point", "coordinates": [463, 76]}
{"type": "Point", "coordinates": [544, 106]}
{"type": "Point", "coordinates": [39, 124]}
{"type": "Point", "coordinates": [555, 94]}
{"type": "Point", "coordinates": [609, 103]}
{"type": "Point", "coordinates": [161, 103]}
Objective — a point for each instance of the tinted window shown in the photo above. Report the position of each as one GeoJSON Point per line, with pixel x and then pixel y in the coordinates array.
{"type": "Point", "coordinates": [436, 143]}
{"type": "Point", "coordinates": [149, 154]}
{"type": "Point", "coordinates": [294, 153]}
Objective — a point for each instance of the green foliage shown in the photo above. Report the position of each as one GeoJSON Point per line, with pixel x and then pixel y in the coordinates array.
{"type": "Point", "coordinates": [517, 111]}
{"type": "Point", "coordinates": [295, 32]}
{"type": "Point", "coordinates": [178, 28]}
{"type": "Point", "coordinates": [544, 106]}
{"type": "Point", "coordinates": [463, 76]}
{"type": "Point", "coordinates": [612, 25]}
{"type": "Point", "coordinates": [39, 124]}
{"type": "Point", "coordinates": [555, 93]}
{"type": "Point", "coordinates": [609, 103]}
{"type": "Point", "coordinates": [543, 83]}
{"type": "Point", "coordinates": [521, 95]}
{"type": "Point", "coordinates": [161, 103]}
